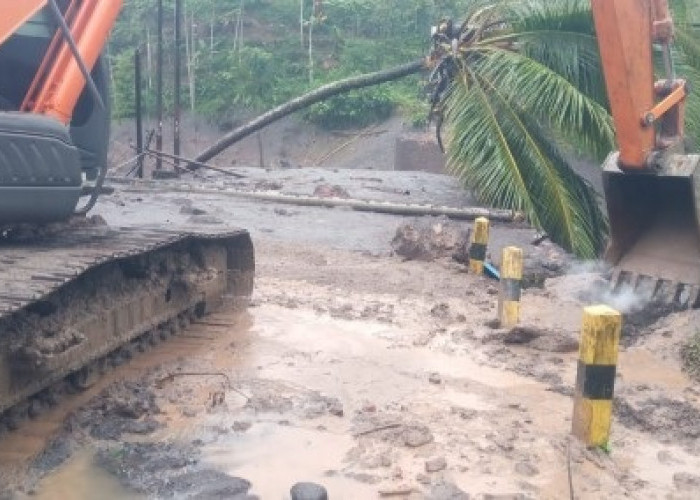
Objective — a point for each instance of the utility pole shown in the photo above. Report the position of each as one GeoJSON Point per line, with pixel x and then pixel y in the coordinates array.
{"type": "Point", "coordinates": [178, 83]}
{"type": "Point", "coordinates": [159, 89]}
{"type": "Point", "coordinates": [139, 113]}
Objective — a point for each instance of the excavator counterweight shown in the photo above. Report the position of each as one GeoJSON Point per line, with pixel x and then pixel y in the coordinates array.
{"type": "Point", "coordinates": [652, 187]}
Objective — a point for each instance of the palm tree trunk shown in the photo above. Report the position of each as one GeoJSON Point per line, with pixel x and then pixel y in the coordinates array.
{"type": "Point", "coordinates": [306, 100]}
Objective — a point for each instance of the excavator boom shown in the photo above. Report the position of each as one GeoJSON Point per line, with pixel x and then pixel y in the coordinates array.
{"type": "Point", "coordinates": [652, 188]}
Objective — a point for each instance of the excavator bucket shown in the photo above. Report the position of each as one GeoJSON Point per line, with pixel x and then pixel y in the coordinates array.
{"type": "Point", "coordinates": [655, 229]}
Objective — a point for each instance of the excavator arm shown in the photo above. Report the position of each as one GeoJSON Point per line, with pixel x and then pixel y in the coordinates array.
{"type": "Point", "coordinates": [652, 188]}
{"type": "Point", "coordinates": [648, 114]}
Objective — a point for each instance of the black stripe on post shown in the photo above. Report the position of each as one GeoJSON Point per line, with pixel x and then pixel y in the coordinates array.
{"type": "Point", "coordinates": [598, 381]}
{"type": "Point", "coordinates": [512, 291]}
{"type": "Point", "coordinates": [477, 251]}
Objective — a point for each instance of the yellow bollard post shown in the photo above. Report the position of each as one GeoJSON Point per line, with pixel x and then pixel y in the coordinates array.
{"type": "Point", "coordinates": [595, 379]}
{"type": "Point", "coordinates": [477, 249]}
{"type": "Point", "coordinates": [511, 280]}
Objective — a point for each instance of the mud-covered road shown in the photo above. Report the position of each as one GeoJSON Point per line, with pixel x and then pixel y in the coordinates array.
{"type": "Point", "coordinates": [372, 375]}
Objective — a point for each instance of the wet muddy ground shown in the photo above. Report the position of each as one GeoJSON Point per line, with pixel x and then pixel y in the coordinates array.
{"type": "Point", "coordinates": [370, 374]}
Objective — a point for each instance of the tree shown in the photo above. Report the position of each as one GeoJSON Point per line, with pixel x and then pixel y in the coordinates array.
{"type": "Point", "coordinates": [518, 84]}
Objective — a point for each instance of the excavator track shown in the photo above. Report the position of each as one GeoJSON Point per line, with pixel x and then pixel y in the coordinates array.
{"type": "Point", "coordinates": [73, 303]}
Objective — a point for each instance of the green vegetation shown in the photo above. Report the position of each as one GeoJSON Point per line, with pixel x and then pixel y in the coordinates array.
{"type": "Point", "coordinates": [248, 56]}
{"type": "Point", "coordinates": [690, 354]}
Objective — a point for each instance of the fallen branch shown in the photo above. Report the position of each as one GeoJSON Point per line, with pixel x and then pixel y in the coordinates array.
{"type": "Point", "coordinates": [467, 213]}
{"type": "Point", "coordinates": [376, 429]}
{"type": "Point", "coordinates": [320, 94]}
{"type": "Point", "coordinates": [170, 377]}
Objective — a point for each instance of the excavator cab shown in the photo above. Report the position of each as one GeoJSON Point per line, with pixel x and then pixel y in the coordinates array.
{"type": "Point", "coordinates": [652, 187]}
{"type": "Point", "coordinates": [54, 127]}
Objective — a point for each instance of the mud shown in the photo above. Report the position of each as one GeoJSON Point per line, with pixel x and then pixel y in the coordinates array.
{"type": "Point", "coordinates": [639, 321]}
{"type": "Point", "coordinates": [166, 470]}
{"type": "Point", "coordinates": [375, 376]}
{"type": "Point", "coordinates": [124, 408]}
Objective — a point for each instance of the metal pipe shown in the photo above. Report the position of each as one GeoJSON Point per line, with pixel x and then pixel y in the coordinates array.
{"type": "Point", "coordinates": [159, 88]}
{"type": "Point", "coordinates": [178, 84]}
{"type": "Point", "coordinates": [139, 112]}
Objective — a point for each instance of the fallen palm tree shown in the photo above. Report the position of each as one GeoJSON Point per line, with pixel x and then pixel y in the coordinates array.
{"type": "Point", "coordinates": [309, 99]}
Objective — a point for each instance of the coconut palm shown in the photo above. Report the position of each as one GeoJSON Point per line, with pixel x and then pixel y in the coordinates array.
{"type": "Point", "coordinates": [519, 87]}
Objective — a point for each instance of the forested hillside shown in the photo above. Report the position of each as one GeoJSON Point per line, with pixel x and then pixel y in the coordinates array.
{"type": "Point", "coordinates": [248, 55]}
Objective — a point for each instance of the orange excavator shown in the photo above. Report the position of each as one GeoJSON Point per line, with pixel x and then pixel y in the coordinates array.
{"type": "Point", "coordinates": [77, 296]}
{"type": "Point", "coordinates": [652, 187]}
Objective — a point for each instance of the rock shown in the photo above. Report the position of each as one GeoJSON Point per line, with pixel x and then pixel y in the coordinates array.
{"type": "Point", "coordinates": [428, 240]}
{"type": "Point", "coordinates": [417, 436]}
{"type": "Point", "coordinates": [368, 407]}
{"type": "Point", "coordinates": [189, 412]}
{"type": "Point", "coordinates": [265, 185]}
{"type": "Point", "coordinates": [435, 464]}
{"type": "Point", "coordinates": [308, 491]}
{"type": "Point", "coordinates": [667, 458]}
{"type": "Point", "coordinates": [542, 339]}
{"type": "Point", "coordinates": [328, 191]}
{"type": "Point", "coordinates": [423, 478]}
{"type": "Point", "coordinates": [446, 491]}
{"type": "Point", "coordinates": [435, 378]}
{"type": "Point", "coordinates": [239, 426]}
{"type": "Point", "coordinates": [522, 335]}
{"type": "Point", "coordinates": [335, 407]}
{"type": "Point", "coordinates": [284, 212]}
{"type": "Point", "coordinates": [493, 324]}
{"type": "Point", "coordinates": [205, 219]}
{"type": "Point", "coordinates": [684, 481]}
{"type": "Point", "coordinates": [526, 469]}
{"type": "Point", "coordinates": [190, 210]}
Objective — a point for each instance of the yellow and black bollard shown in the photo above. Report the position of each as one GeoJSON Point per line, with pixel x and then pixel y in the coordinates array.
{"type": "Point", "coordinates": [511, 281]}
{"type": "Point", "coordinates": [595, 379]}
{"type": "Point", "coordinates": [479, 243]}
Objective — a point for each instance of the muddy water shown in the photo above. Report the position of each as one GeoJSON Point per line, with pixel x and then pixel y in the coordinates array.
{"type": "Point", "coordinates": [280, 355]}
{"type": "Point", "coordinates": [275, 457]}
{"type": "Point", "coordinates": [81, 479]}
{"type": "Point", "coordinates": [356, 361]}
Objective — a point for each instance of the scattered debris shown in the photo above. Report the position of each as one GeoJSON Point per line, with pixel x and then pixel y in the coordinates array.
{"type": "Point", "coordinates": [395, 491]}
{"type": "Point", "coordinates": [446, 491]}
{"type": "Point", "coordinates": [329, 191]}
{"type": "Point", "coordinates": [190, 210]}
{"type": "Point", "coordinates": [684, 481]}
{"type": "Point", "coordinates": [416, 436]}
{"type": "Point", "coordinates": [435, 464]}
{"type": "Point", "coordinates": [266, 185]}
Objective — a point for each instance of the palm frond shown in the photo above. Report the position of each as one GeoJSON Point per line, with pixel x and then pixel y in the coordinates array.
{"type": "Point", "coordinates": [505, 155]}
{"type": "Point", "coordinates": [550, 97]}
{"type": "Point", "coordinates": [476, 139]}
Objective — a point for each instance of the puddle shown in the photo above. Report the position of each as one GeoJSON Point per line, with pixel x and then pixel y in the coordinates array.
{"type": "Point", "coordinates": [81, 479]}
{"type": "Point", "coordinates": [275, 457]}
{"type": "Point", "coordinates": [640, 366]}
